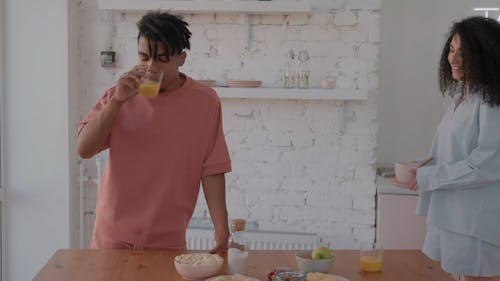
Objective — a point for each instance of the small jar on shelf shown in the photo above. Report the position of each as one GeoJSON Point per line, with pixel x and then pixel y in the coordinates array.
{"type": "Point", "coordinates": [303, 71]}
{"type": "Point", "coordinates": [289, 73]}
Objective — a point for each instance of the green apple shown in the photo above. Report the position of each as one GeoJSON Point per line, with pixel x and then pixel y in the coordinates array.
{"type": "Point", "coordinates": [321, 253]}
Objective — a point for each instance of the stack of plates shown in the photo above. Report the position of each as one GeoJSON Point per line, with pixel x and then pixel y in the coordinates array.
{"type": "Point", "coordinates": [243, 83]}
{"type": "Point", "coordinates": [210, 83]}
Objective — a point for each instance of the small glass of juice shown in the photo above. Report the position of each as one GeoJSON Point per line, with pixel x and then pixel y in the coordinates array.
{"type": "Point", "coordinates": [150, 85]}
{"type": "Point", "coordinates": [371, 258]}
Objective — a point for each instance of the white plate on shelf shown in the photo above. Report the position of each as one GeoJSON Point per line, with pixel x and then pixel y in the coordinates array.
{"type": "Point", "coordinates": [210, 83]}
{"type": "Point", "coordinates": [243, 83]}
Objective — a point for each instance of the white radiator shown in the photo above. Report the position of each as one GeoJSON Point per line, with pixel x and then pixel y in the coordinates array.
{"type": "Point", "coordinates": [87, 208]}
{"type": "Point", "coordinates": [202, 239]}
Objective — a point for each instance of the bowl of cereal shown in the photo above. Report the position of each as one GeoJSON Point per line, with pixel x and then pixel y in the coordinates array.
{"type": "Point", "coordinates": [197, 266]}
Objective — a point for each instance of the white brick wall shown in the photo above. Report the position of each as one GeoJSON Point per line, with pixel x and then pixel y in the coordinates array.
{"type": "Point", "coordinates": [292, 170]}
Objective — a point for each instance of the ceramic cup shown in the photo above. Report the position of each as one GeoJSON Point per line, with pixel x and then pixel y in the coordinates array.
{"type": "Point", "coordinates": [402, 171]}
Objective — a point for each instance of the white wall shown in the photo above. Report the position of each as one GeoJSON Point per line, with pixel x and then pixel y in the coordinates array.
{"type": "Point", "coordinates": [2, 134]}
{"type": "Point", "coordinates": [36, 139]}
{"type": "Point", "coordinates": [410, 104]}
{"type": "Point", "coordinates": [2, 128]}
{"type": "Point", "coordinates": [292, 171]}
{"type": "Point", "coordinates": [73, 116]}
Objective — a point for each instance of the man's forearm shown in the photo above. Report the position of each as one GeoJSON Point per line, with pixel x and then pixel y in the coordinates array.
{"type": "Point", "coordinates": [95, 133]}
{"type": "Point", "coordinates": [215, 195]}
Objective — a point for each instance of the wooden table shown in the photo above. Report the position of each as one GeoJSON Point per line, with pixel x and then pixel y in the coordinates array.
{"type": "Point", "coordinates": [128, 265]}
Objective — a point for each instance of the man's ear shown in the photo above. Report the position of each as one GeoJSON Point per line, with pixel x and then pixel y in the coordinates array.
{"type": "Point", "coordinates": [182, 58]}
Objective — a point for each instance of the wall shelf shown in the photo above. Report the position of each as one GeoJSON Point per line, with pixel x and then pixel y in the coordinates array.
{"type": "Point", "coordinates": [289, 94]}
{"type": "Point", "coordinates": [210, 6]}
{"type": "Point", "coordinates": [339, 96]}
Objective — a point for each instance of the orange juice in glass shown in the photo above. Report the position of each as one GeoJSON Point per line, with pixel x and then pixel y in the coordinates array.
{"type": "Point", "coordinates": [371, 258]}
{"type": "Point", "coordinates": [150, 85]}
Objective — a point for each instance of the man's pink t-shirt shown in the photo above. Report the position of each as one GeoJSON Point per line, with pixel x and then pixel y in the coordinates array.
{"type": "Point", "coordinates": [159, 150]}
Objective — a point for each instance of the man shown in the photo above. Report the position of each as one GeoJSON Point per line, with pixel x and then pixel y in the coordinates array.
{"type": "Point", "coordinates": [159, 148]}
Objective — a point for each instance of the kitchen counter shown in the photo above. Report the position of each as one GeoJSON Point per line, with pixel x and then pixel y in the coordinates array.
{"type": "Point", "coordinates": [385, 187]}
{"type": "Point", "coordinates": [128, 265]}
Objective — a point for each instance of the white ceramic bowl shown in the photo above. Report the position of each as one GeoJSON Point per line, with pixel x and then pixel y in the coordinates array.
{"type": "Point", "coordinates": [307, 264]}
{"type": "Point", "coordinates": [197, 266]}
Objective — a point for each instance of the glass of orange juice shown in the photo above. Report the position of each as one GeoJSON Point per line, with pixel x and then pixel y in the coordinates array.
{"type": "Point", "coordinates": [150, 84]}
{"type": "Point", "coordinates": [371, 258]}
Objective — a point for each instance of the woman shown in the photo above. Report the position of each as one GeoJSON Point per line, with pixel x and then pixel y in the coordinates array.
{"type": "Point", "coordinates": [460, 189]}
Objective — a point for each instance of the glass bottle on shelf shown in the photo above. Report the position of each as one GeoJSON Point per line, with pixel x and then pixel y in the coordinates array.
{"type": "Point", "coordinates": [289, 72]}
{"type": "Point", "coordinates": [237, 253]}
{"type": "Point", "coordinates": [303, 71]}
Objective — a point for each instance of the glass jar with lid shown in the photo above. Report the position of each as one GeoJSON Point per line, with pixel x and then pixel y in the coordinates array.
{"type": "Point", "coordinates": [237, 253]}
{"type": "Point", "coordinates": [289, 74]}
{"type": "Point", "coordinates": [303, 71]}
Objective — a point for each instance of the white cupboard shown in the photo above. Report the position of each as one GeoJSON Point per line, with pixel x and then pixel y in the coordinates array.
{"type": "Point", "coordinates": [398, 227]}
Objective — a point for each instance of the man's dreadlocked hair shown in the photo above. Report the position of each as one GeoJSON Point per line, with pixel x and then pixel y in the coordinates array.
{"type": "Point", "coordinates": [166, 28]}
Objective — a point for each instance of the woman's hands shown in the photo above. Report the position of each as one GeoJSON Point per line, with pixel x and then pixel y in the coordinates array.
{"type": "Point", "coordinates": [413, 183]}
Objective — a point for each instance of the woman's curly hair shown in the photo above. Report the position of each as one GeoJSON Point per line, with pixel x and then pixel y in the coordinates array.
{"type": "Point", "coordinates": [480, 44]}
